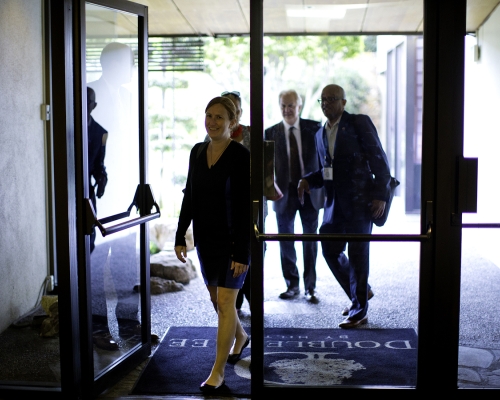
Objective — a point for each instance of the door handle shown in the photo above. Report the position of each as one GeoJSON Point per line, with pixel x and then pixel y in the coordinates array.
{"type": "Point", "coordinates": [148, 203]}
{"type": "Point", "coordinates": [354, 237]}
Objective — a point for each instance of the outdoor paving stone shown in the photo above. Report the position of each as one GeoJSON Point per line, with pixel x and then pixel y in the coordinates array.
{"type": "Point", "coordinates": [470, 357]}
{"type": "Point", "coordinates": [469, 375]}
{"type": "Point", "coordinates": [496, 352]}
{"type": "Point", "coordinates": [493, 381]}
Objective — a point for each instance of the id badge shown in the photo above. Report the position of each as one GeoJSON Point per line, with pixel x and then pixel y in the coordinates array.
{"type": "Point", "coordinates": [327, 173]}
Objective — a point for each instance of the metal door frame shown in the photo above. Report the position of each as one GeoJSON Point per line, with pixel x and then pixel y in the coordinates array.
{"type": "Point", "coordinates": [441, 204]}
{"type": "Point", "coordinates": [143, 202]}
{"type": "Point", "coordinates": [71, 190]}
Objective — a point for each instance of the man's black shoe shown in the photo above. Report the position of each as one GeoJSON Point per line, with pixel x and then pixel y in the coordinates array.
{"type": "Point", "coordinates": [105, 341]}
{"type": "Point", "coordinates": [351, 323]}
{"type": "Point", "coordinates": [345, 311]}
{"type": "Point", "coordinates": [290, 293]}
{"type": "Point", "coordinates": [312, 297]}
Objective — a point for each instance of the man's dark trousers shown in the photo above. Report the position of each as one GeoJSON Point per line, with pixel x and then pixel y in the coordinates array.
{"type": "Point", "coordinates": [355, 279]}
{"type": "Point", "coordinates": [286, 221]}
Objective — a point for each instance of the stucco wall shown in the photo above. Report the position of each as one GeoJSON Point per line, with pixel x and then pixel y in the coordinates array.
{"type": "Point", "coordinates": [23, 250]}
{"type": "Point", "coordinates": [482, 106]}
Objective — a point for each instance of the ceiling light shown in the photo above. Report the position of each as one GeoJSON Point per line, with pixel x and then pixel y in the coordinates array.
{"type": "Point", "coordinates": [321, 11]}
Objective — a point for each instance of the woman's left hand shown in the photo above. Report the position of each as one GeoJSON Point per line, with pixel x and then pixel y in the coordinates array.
{"type": "Point", "coordinates": [238, 268]}
{"type": "Point", "coordinates": [181, 253]}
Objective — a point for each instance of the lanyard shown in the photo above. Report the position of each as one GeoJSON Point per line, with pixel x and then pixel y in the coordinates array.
{"type": "Point", "coordinates": [328, 158]}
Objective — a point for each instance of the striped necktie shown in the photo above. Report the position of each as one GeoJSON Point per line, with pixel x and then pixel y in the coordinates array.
{"type": "Point", "coordinates": [295, 173]}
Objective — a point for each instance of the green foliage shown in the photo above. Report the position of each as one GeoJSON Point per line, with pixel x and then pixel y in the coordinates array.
{"type": "Point", "coordinates": [304, 63]}
{"type": "Point", "coordinates": [233, 54]}
{"type": "Point", "coordinates": [171, 128]}
{"type": "Point", "coordinates": [164, 84]}
{"type": "Point", "coordinates": [153, 248]}
{"type": "Point", "coordinates": [278, 49]}
{"type": "Point", "coordinates": [159, 118]}
{"type": "Point", "coordinates": [227, 61]}
{"type": "Point", "coordinates": [179, 180]}
{"type": "Point", "coordinates": [355, 86]}
{"type": "Point", "coordinates": [188, 123]}
{"type": "Point", "coordinates": [370, 44]}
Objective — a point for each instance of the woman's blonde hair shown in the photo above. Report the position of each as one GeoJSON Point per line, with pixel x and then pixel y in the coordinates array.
{"type": "Point", "coordinates": [226, 103]}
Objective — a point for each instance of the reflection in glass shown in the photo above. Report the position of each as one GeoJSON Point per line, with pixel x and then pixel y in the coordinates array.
{"type": "Point", "coordinates": [115, 267]}
{"type": "Point", "coordinates": [116, 111]}
{"type": "Point", "coordinates": [111, 43]}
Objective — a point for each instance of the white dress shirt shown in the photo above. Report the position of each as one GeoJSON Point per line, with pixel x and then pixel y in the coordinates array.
{"type": "Point", "coordinates": [331, 131]}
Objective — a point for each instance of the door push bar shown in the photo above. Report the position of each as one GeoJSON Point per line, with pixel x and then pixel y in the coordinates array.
{"type": "Point", "coordinates": [148, 202]}
{"type": "Point", "coordinates": [313, 237]}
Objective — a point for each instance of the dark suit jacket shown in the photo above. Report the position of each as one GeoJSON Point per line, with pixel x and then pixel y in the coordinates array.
{"type": "Point", "coordinates": [360, 168]}
{"type": "Point", "coordinates": [308, 129]}
{"type": "Point", "coordinates": [96, 149]}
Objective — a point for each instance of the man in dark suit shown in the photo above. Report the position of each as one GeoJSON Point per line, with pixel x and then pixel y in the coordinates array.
{"type": "Point", "coordinates": [356, 176]}
{"type": "Point", "coordinates": [295, 156]}
{"type": "Point", "coordinates": [97, 137]}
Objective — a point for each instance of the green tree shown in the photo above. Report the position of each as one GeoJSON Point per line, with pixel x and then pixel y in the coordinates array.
{"type": "Point", "coordinates": [168, 132]}
{"type": "Point", "coordinates": [304, 63]}
{"type": "Point", "coordinates": [227, 61]}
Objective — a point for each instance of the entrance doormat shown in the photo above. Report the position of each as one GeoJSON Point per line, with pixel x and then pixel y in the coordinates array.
{"type": "Point", "coordinates": [309, 357]}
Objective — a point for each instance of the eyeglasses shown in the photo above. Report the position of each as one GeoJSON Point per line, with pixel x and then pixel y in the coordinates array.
{"type": "Point", "coordinates": [235, 93]}
{"type": "Point", "coordinates": [329, 99]}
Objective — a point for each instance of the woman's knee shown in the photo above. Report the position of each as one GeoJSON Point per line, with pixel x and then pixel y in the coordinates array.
{"type": "Point", "coordinates": [226, 298]}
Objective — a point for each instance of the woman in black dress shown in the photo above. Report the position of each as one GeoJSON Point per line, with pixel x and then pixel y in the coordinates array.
{"type": "Point", "coordinates": [216, 201]}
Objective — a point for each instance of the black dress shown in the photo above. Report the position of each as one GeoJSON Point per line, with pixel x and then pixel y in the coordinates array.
{"type": "Point", "coordinates": [216, 201]}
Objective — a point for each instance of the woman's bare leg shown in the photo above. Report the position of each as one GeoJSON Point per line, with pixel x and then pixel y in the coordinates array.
{"type": "Point", "coordinates": [240, 336]}
{"type": "Point", "coordinates": [226, 332]}
{"type": "Point", "coordinates": [213, 295]}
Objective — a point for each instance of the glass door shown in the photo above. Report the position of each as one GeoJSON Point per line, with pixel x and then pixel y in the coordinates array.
{"type": "Point", "coordinates": [414, 258]}
{"type": "Point", "coordinates": [303, 344]}
{"type": "Point", "coordinates": [118, 202]}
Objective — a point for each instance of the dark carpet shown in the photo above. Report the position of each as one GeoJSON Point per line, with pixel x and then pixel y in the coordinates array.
{"type": "Point", "coordinates": [311, 357]}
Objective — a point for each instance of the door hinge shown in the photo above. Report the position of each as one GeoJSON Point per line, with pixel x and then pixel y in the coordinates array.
{"type": "Point", "coordinates": [45, 112]}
